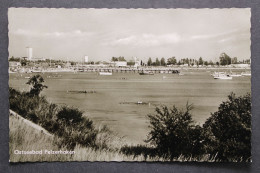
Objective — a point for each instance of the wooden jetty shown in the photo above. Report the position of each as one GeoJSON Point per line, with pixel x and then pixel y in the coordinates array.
{"type": "Point", "coordinates": [128, 70]}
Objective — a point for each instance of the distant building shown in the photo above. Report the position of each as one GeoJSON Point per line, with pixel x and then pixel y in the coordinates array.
{"type": "Point", "coordinates": [14, 64]}
{"type": "Point", "coordinates": [120, 63]}
{"type": "Point", "coordinates": [241, 65]}
{"type": "Point", "coordinates": [29, 53]}
{"type": "Point", "coordinates": [137, 63]}
{"type": "Point", "coordinates": [86, 59]}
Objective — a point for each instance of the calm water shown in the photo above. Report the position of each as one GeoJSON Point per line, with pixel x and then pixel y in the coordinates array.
{"type": "Point", "coordinates": [114, 102]}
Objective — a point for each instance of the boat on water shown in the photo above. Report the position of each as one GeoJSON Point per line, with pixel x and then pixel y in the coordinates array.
{"type": "Point", "coordinates": [105, 73]}
{"type": "Point", "coordinates": [222, 76]}
{"type": "Point", "coordinates": [218, 74]}
{"type": "Point", "coordinates": [235, 75]}
{"type": "Point", "coordinates": [146, 73]}
{"type": "Point", "coordinates": [246, 74]}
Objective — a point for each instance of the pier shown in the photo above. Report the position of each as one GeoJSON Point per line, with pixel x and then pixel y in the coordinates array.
{"type": "Point", "coordinates": [127, 70]}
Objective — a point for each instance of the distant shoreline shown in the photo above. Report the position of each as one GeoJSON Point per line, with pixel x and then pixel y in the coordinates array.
{"type": "Point", "coordinates": [129, 69]}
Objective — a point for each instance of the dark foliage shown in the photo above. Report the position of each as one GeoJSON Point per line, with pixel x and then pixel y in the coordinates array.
{"type": "Point", "coordinates": [229, 129]}
{"type": "Point", "coordinates": [139, 150]}
{"type": "Point", "coordinates": [226, 135]}
{"type": "Point", "coordinates": [37, 86]}
{"type": "Point", "coordinates": [64, 122]}
{"type": "Point", "coordinates": [76, 129]}
{"type": "Point", "coordinates": [173, 132]}
{"type": "Point", "coordinates": [69, 116]}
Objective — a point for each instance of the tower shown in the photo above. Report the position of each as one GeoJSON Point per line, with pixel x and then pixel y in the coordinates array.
{"type": "Point", "coordinates": [29, 53]}
{"type": "Point", "coordinates": [86, 59]}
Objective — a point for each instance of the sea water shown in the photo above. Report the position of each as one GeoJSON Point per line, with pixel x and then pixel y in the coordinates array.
{"type": "Point", "coordinates": [123, 100]}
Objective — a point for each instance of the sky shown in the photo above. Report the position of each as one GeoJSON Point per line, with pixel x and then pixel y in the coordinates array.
{"type": "Point", "coordinates": [71, 34]}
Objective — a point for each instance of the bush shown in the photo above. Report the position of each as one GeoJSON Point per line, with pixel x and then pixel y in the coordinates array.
{"type": "Point", "coordinates": [173, 132]}
{"type": "Point", "coordinates": [69, 115]}
{"type": "Point", "coordinates": [229, 129]}
{"type": "Point", "coordinates": [74, 128]}
{"type": "Point", "coordinates": [37, 86]}
{"type": "Point", "coordinates": [65, 122]}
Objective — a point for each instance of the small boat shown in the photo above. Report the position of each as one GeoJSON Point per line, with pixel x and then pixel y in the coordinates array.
{"type": "Point", "coordinates": [246, 74]}
{"type": "Point", "coordinates": [222, 76]}
{"type": "Point", "coordinates": [146, 73]}
{"type": "Point", "coordinates": [235, 75]}
{"type": "Point", "coordinates": [27, 77]}
{"type": "Point", "coordinates": [217, 74]}
{"type": "Point", "coordinates": [105, 73]}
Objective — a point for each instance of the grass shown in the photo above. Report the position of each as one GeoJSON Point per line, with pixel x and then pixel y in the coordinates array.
{"type": "Point", "coordinates": [25, 138]}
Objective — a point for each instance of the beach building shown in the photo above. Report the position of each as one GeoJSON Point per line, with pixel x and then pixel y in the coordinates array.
{"type": "Point", "coordinates": [120, 63]}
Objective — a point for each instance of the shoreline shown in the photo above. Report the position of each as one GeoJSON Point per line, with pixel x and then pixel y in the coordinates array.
{"type": "Point", "coordinates": [128, 69]}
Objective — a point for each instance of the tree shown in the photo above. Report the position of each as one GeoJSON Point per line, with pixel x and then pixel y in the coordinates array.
{"type": "Point", "coordinates": [234, 60]}
{"type": "Point", "coordinates": [224, 59]}
{"type": "Point", "coordinates": [157, 62]}
{"type": "Point", "coordinates": [229, 129]}
{"type": "Point", "coordinates": [121, 58]}
{"type": "Point", "coordinates": [149, 62]}
{"type": "Point", "coordinates": [36, 83]}
{"type": "Point", "coordinates": [201, 61]}
{"type": "Point", "coordinates": [163, 63]}
{"type": "Point", "coordinates": [114, 59]}
{"type": "Point", "coordinates": [130, 63]}
{"type": "Point", "coordinates": [173, 133]}
{"type": "Point", "coordinates": [171, 61]}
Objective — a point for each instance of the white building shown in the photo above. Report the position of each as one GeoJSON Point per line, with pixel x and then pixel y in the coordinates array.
{"type": "Point", "coordinates": [137, 62]}
{"type": "Point", "coordinates": [120, 63]}
{"type": "Point", "coordinates": [86, 59]}
{"type": "Point", "coordinates": [29, 53]}
{"type": "Point", "coordinates": [241, 65]}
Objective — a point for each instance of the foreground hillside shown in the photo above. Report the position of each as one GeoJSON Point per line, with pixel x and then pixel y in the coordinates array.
{"type": "Point", "coordinates": [23, 137]}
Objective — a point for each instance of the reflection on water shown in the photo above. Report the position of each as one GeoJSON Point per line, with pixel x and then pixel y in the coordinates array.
{"type": "Point", "coordinates": [123, 100]}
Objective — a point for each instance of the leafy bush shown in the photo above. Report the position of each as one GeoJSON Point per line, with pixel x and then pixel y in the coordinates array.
{"type": "Point", "coordinates": [173, 132]}
{"type": "Point", "coordinates": [37, 86]}
{"type": "Point", "coordinates": [229, 129]}
{"type": "Point", "coordinates": [74, 128]}
{"type": "Point", "coordinates": [65, 122]}
{"type": "Point", "coordinates": [69, 116]}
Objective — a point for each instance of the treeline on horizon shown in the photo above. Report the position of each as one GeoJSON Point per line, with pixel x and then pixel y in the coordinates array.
{"type": "Point", "coordinates": [225, 136]}
{"type": "Point", "coordinates": [224, 59]}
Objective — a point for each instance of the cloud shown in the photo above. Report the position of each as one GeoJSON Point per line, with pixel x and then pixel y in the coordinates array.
{"type": "Point", "coordinates": [146, 40]}
{"type": "Point", "coordinates": [222, 37]}
{"type": "Point", "coordinates": [28, 33]}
